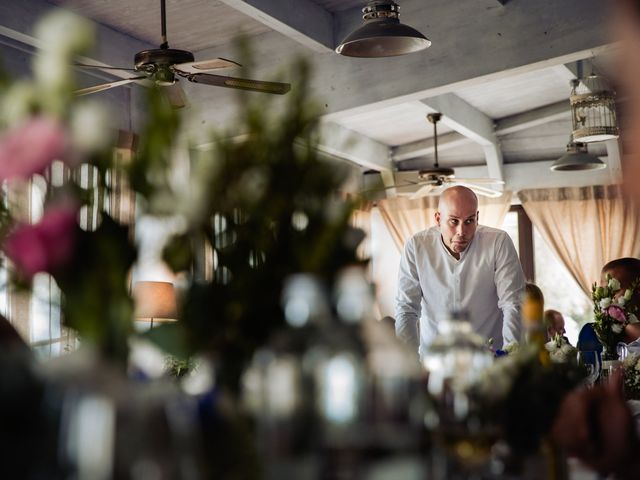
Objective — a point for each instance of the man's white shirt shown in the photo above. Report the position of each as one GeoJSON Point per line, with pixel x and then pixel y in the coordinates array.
{"type": "Point", "coordinates": [487, 281]}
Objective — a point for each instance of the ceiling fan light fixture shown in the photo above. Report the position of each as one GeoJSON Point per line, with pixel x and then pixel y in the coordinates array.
{"type": "Point", "coordinates": [382, 34]}
{"type": "Point", "coordinates": [577, 158]}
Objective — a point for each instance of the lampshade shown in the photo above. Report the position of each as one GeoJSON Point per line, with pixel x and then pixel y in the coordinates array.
{"type": "Point", "coordinates": [382, 34]}
{"type": "Point", "coordinates": [155, 301]}
{"type": "Point", "coordinates": [593, 110]}
{"type": "Point", "coordinates": [577, 158]}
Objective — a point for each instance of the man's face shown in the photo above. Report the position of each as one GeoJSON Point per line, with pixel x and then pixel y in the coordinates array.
{"type": "Point", "coordinates": [458, 221]}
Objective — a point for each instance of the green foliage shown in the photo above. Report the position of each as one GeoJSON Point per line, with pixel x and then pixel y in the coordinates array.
{"type": "Point", "coordinates": [96, 300]}
{"type": "Point", "coordinates": [270, 210]}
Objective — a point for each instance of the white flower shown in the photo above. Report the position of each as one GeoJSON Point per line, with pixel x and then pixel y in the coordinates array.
{"type": "Point", "coordinates": [90, 127]}
{"type": "Point", "coordinates": [64, 33]}
{"type": "Point", "coordinates": [616, 327]}
{"type": "Point", "coordinates": [605, 302]}
{"type": "Point", "coordinates": [621, 301]}
{"type": "Point", "coordinates": [614, 284]}
{"type": "Point", "coordinates": [18, 102]}
{"type": "Point", "coordinates": [551, 346]}
{"type": "Point", "coordinates": [51, 72]}
{"type": "Point", "coordinates": [628, 294]}
{"type": "Point", "coordinates": [632, 318]}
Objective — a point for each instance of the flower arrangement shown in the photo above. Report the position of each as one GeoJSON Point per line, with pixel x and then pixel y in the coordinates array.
{"type": "Point", "coordinates": [612, 311]}
{"type": "Point", "coordinates": [631, 368]}
{"type": "Point", "coordinates": [560, 350]}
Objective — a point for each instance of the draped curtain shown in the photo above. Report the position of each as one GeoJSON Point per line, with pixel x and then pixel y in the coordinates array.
{"type": "Point", "coordinates": [586, 227]}
{"type": "Point", "coordinates": [404, 217]}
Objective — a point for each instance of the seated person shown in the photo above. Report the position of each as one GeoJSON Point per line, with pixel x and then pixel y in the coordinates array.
{"type": "Point", "coordinates": [626, 271]}
{"type": "Point", "coordinates": [554, 323]}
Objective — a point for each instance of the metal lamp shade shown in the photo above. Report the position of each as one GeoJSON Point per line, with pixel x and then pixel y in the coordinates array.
{"type": "Point", "coordinates": [593, 109]}
{"type": "Point", "coordinates": [382, 34]}
{"type": "Point", "coordinates": [577, 158]}
{"type": "Point", "coordinates": [383, 38]}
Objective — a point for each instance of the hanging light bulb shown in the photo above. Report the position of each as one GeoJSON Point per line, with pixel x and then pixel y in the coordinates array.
{"type": "Point", "coordinates": [382, 34]}
{"type": "Point", "coordinates": [593, 110]}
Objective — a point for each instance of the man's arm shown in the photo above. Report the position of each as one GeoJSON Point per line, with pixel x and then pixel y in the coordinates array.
{"type": "Point", "coordinates": [408, 298]}
{"type": "Point", "coordinates": [509, 281]}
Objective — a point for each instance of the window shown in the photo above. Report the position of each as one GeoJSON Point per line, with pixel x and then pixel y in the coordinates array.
{"type": "Point", "coordinates": [542, 266]}
{"type": "Point", "coordinates": [561, 291]}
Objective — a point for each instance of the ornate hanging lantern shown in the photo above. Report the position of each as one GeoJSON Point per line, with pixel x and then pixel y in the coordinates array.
{"type": "Point", "coordinates": [593, 110]}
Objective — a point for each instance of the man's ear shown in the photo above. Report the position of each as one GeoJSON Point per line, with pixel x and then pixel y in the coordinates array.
{"type": "Point", "coordinates": [437, 217]}
{"type": "Point", "coordinates": [477, 216]}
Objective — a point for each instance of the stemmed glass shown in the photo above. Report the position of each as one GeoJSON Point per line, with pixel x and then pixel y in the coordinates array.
{"type": "Point", "coordinates": [590, 360]}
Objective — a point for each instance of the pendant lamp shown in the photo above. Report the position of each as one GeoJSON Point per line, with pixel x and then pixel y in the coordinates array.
{"type": "Point", "coordinates": [382, 34]}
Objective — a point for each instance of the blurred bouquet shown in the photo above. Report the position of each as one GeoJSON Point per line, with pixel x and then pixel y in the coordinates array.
{"type": "Point", "coordinates": [560, 350]}
{"type": "Point", "coordinates": [256, 207]}
{"type": "Point", "coordinates": [612, 312]}
{"type": "Point", "coordinates": [523, 395]}
{"type": "Point", "coordinates": [631, 366]}
{"type": "Point", "coordinates": [61, 148]}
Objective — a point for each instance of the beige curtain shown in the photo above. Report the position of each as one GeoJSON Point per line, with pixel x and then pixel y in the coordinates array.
{"type": "Point", "coordinates": [361, 218]}
{"type": "Point", "coordinates": [404, 217]}
{"type": "Point", "coordinates": [586, 227]}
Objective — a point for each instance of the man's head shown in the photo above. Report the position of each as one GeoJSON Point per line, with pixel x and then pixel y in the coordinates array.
{"type": "Point", "coordinates": [554, 321]}
{"type": "Point", "coordinates": [457, 217]}
{"type": "Point", "coordinates": [626, 271]}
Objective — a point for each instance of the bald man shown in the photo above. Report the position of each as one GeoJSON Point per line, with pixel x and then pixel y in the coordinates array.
{"type": "Point", "coordinates": [459, 265]}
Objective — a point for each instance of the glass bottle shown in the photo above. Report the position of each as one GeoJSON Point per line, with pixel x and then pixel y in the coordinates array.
{"type": "Point", "coordinates": [455, 360]}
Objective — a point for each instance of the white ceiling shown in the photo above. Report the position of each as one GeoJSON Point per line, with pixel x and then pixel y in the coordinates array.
{"type": "Point", "coordinates": [191, 24]}
{"type": "Point", "coordinates": [495, 61]}
{"type": "Point", "coordinates": [393, 125]}
{"type": "Point", "coordinates": [519, 93]}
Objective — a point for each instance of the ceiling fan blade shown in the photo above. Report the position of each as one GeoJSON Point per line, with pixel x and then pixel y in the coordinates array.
{"type": "Point", "coordinates": [206, 65]}
{"type": "Point", "coordinates": [429, 189]}
{"type": "Point", "coordinates": [488, 181]}
{"type": "Point", "coordinates": [484, 191]}
{"type": "Point", "coordinates": [100, 67]}
{"type": "Point", "coordinates": [175, 94]}
{"type": "Point", "coordinates": [240, 83]}
{"type": "Point", "coordinates": [107, 86]}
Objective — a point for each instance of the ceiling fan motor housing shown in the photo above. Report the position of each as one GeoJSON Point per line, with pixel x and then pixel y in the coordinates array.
{"type": "Point", "coordinates": [158, 62]}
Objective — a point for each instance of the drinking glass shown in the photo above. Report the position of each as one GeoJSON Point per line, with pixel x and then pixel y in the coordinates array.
{"type": "Point", "coordinates": [590, 360]}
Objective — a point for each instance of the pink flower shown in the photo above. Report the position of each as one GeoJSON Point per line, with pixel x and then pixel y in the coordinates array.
{"type": "Point", "coordinates": [45, 246]}
{"type": "Point", "coordinates": [617, 313]}
{"type": "Point", "coordinates": [31, 147]}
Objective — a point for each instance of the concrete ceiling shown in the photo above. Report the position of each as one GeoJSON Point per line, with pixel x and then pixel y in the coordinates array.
{"type": "Point", "coordinates": [498, 71]}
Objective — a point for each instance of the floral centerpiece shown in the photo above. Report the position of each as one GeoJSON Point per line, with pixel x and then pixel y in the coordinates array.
{"type": "Point", "coordinates": [631, 367]}
{"type": "Point", "coordinates": [560, 350]}
{"type": "Point", "coordinates": [613, 311]}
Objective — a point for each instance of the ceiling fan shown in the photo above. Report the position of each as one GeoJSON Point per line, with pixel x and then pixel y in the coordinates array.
{"type": "Point", "coordinates": [435, 180]}
{"type": "Point", "coordinates": [164, 65]}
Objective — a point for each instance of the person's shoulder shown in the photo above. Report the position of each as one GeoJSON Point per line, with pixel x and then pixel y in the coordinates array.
{"type": "Point", "coordinates": [428, 234]}
{"type": "Point", "coordinates": [490, 232]}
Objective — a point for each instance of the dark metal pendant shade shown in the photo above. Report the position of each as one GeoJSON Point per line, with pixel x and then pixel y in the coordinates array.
{"type": "Point", "coordinates": [382, 35]}
{"type": "Point", "coordinates": [577, 158]}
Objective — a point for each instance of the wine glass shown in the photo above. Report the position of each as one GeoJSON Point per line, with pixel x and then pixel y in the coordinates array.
{"type": "Point", "coordinates": [590, 360]}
